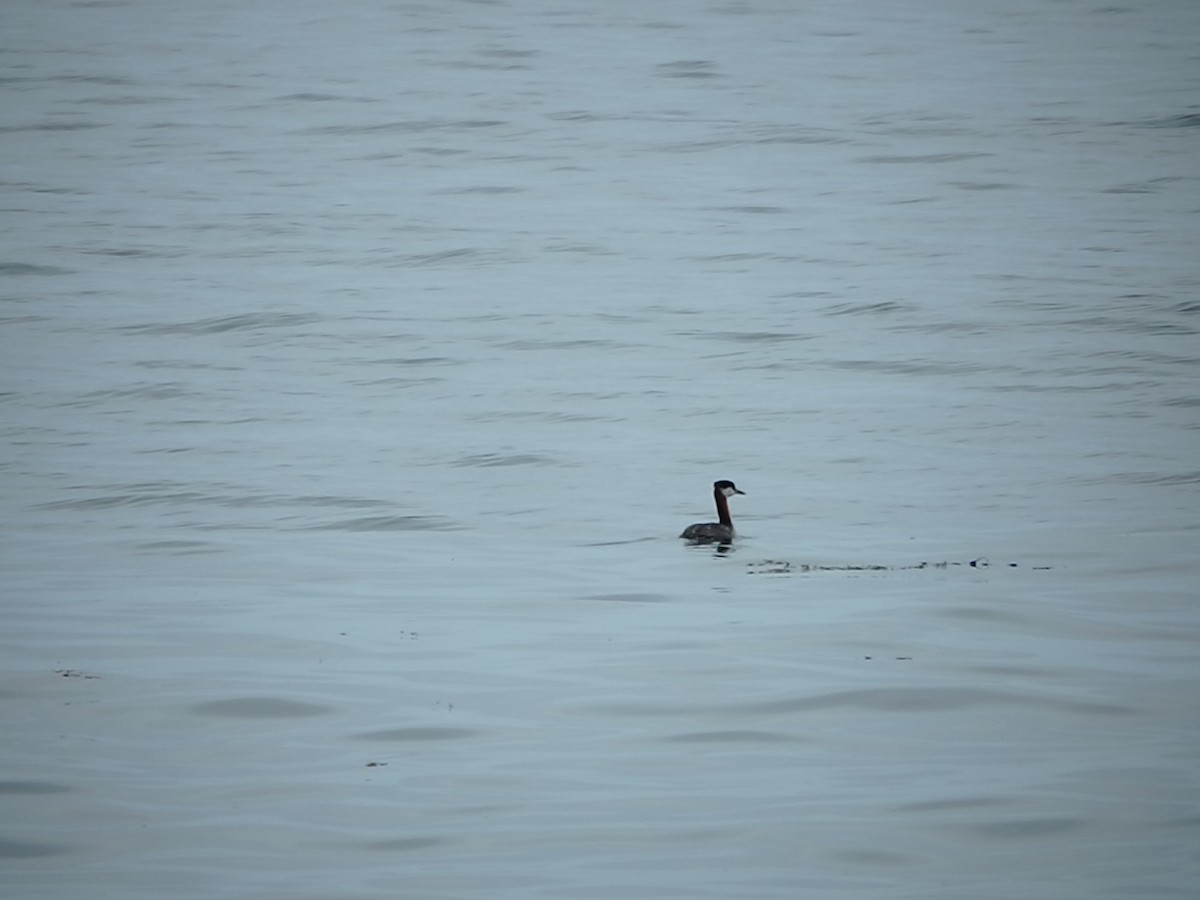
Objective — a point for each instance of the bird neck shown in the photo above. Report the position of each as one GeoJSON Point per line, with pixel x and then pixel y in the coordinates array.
{"type": "Point", "coordinates": [722, 507]}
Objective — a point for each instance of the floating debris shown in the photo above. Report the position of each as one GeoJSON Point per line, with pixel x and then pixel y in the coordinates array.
{"type": "Point", "coordinates": [783, 567]}
{"type": "Point", "coordinates": [74, 673]}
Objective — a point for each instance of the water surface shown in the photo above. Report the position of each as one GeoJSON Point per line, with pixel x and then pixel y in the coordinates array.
{"type": "Point", "coordinates": [362, 364]}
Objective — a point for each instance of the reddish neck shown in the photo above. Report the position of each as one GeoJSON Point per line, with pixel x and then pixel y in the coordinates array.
{"type": "Point", "coordinates": [722, 507]}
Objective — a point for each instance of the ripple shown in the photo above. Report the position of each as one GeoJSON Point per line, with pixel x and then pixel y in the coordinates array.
{"type": "Point", "coordinates": [440, 257]}
{"type": "Point", "coordinates": [413, 126]}
{"type": "Point", "coordinates": [489, 460]}
{"type": "Point", "coordinates": [687, 68]}
{"type": "Point", "coordinates": [179, 548]}
{"type": "Point", "coordinates": [932, 700]}
{"type": "Point", "coordinates": [865, 309]}
{"type": "Point", "coordinates": [629, 598]}
{"type": "Point", "coordinates": [50, 126]}
{"type": "Point", "coordinates": [896, 367]}
{"type": "Point", "coordinates": [13, 849]}
{"type": "Point", "coordinates": [242, 322]}
{"type": "Point", "coordinates": [418, 733]}
{"type": "Point", "coordinates": [32, 787]}
{"type": "Point", "coordinates": [15, 268]}
{"type": "Point", "coordinates": [260, 708]}
{"type": "Point", "coordinates": [387, 523]}
{"type": "Point", "coordinates": [953, 804]}
{"type": "Point", "coordinates": [750, 337]}
{"type": "Point", "coordinates": [167, 492]}
{"type": "Point", "coordinates": [1026, 828]}
{"type": "Point", "coordinates": [581, 344]}
{"type": "Point", "coordinates": [754, 210]}
{"type": "Point", "coordinates": [322, 98]}
{"type": "Point", "coordinates": [729, 737]}
{"type": "Point", "coordinates": [1154, 478]}
{"type": "Point", "coordinates": [890, 700]}
{"type": "Point", "coordinates": [1185, 120]}
{"type": "Point", "coordinates": [404, 844]}
{"type": "Point", "coordinates": [924, 158]}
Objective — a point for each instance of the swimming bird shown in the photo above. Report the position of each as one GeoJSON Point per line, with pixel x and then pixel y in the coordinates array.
{"type": "Point", "coordinates": [715, 532]}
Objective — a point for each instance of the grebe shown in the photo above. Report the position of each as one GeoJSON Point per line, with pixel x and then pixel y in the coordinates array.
{"type": "Point", "coordinates": [709, 532]}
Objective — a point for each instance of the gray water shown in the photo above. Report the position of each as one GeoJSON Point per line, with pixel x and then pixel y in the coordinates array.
{"type": "Point", "coordinates": [363, 361]}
